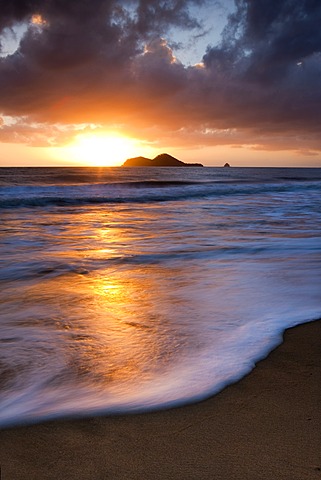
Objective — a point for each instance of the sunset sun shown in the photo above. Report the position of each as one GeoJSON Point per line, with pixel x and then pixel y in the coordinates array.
{"type": "Point", "coordinates": [101, 150]}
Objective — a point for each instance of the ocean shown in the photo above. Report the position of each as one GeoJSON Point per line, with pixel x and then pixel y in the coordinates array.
{"type": "Point", "coordinates": [130, 289]}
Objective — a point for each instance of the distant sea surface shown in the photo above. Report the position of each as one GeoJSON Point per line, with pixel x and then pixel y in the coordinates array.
{"type": "Point", "coordinates": [125, 290]}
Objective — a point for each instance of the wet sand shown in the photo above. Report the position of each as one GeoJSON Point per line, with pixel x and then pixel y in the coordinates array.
{"type": "Point", "coordinates": [267, 426]}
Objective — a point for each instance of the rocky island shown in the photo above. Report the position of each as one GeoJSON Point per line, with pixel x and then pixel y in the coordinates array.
{"type": "Point", "coordinates": [162, 160]}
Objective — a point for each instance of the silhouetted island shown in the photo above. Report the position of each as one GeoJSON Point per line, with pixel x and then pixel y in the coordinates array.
{"type": "Point", "coordinates": [162, 160]}
{"type": "Point", "coordinates": [227, 165]}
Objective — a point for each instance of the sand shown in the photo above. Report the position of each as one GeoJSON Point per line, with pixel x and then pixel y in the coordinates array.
{"type": "Point", "coordinates": [267, 426]}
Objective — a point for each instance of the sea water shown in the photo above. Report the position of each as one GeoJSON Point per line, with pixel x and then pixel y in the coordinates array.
{"type": "Point", "coordinates": [125, 290]}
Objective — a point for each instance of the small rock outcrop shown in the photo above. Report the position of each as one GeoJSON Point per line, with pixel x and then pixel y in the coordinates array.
{"type": "Point", "coordinates": [227, 165]}
{"type": "Point", "coordinates": [162, 160]}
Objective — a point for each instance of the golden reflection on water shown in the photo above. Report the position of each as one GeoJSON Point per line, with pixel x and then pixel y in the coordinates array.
{"type": "Point", "coordinates": [107, 312]}
{"type": "Point", "coordinates": [129, 321]}
{"type": "Point", "coordinates": [113, 325]}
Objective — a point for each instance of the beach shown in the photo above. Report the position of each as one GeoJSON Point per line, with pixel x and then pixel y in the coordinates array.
{"type": "Point", "coordinates": [266, 426]}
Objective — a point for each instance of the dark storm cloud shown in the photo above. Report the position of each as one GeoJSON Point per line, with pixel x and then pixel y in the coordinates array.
{"type": "Point", "coordinates": [16, 11]}
{"type": "Point", "coordinates": [80, 46]}
{"type": "Point", "coordinates": [276, 34]}
{"type": "Point", "coordinates": [269, 62]}
{"type": "Point", "coordinates": [106, 62]}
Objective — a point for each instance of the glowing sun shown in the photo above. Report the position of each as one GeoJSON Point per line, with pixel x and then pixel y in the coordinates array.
{"type": "Point", "coordinates": [102, 150]}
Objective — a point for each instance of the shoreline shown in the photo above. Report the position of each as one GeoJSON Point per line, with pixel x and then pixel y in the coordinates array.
{"type": "Point", "coordinates": [266, 426]}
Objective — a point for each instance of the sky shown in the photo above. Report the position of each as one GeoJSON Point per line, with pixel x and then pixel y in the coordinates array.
{"type": "Point", "coordinates": [94, 82]}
